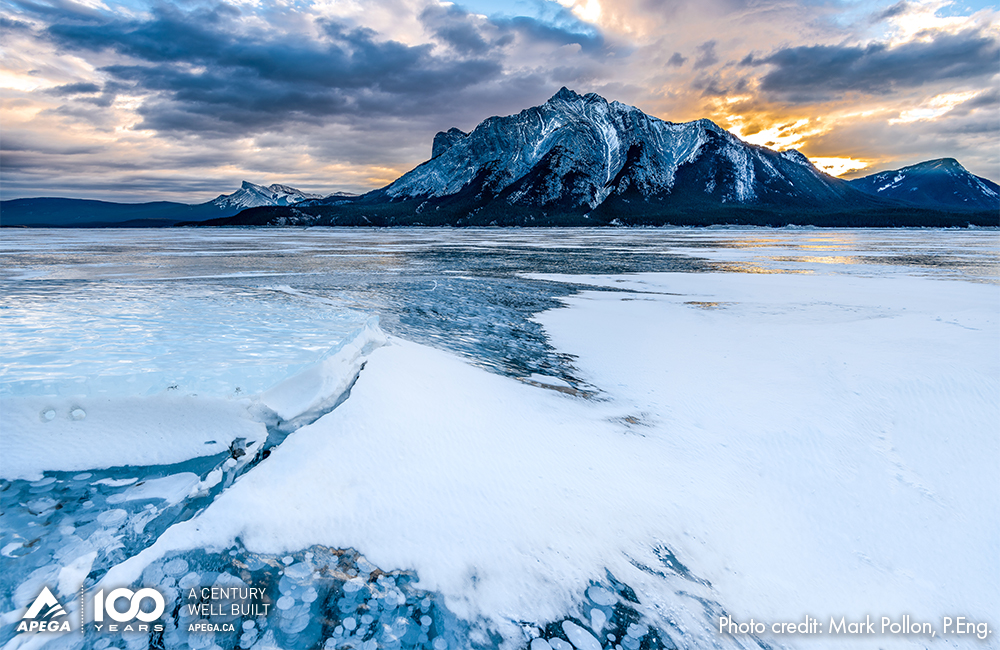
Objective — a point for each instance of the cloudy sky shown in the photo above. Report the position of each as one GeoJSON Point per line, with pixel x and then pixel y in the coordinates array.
{"type": "Point", "coordinates": [149, 100]}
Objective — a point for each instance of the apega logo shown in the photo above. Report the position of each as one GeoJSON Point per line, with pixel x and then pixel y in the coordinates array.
{"type": "Point", "coordinates": [42, 615]}
{"type": "Point", "coordinates": [107, 606]}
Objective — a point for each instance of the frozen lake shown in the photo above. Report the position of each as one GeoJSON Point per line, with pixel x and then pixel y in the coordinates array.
{"type": "Point", "coordinates": [196, 306]}
{"type": "Point", "coordinates": [480, 438]}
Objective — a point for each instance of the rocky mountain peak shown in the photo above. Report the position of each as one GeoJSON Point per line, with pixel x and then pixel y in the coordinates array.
{"type": "Point", "coordinates": [564, 95]}
{"type": "Point", "coordinates": [445, 139]}
{"type": "Point", "coordinates": [251, 195]}
{"type": "Point", "coordinates": [576, 151]}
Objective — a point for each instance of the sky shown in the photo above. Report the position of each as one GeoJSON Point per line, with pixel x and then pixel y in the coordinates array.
{"type": "Point", "coordinates": [154, 100]}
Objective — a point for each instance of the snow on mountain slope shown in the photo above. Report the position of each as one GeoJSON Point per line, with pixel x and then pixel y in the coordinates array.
{"type": "Point", "coordinates": [578, 150]}
{"type": "Point", "coordinates": [254, 196]}
{"type": "Point", "coordinates": [941, 183]}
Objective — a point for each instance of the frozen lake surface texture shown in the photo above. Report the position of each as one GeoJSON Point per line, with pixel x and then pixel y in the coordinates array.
{"type": "Point", "coordinates": [555, 440]}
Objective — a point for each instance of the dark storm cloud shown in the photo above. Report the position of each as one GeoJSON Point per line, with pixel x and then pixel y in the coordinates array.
{"type": "Point", "coordinates": [199, 36]}
{"type": "Point", "coordinates": [470, 34]}
{"type": "Point", "coordinates": [824, 72]}
{"type": "Point", "coordinates": [23, 142]}
{"type": "Point", "coordinates": [706, 55]}
{"type": "Point", "coordinates": [84, 96]}
{"type": "Point", "coordinates": [58, 9]}
{"type": "Point", "coordinates": [12, 25]}
{"type": "Point", "coordinates": [714, 85]}
{"type": "Point", "coordinates": [895, 10]}
{"type": "Point", "coordinates": [988, 99]}
{"type": "Point", "coordinates": [75, 89]}
{"type": "Point", "coordinates": [453, 26]}
{"type": "Point", "coordinates": [710, 86]}
{"type": "Point", "coordinates": [200, 73]}
{"type": "Point", "coordinates": [533, 29]}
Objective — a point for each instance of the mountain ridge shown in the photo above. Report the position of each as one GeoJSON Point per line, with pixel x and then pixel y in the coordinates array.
{"type": "Point", "coordinates": [254, 196]}
{"type": "Point", "coordinates": [942, 182]}
{"type": "Point", "coordinates": [580, 160]}
{"type": "Point", "coordinates": [90, 213]}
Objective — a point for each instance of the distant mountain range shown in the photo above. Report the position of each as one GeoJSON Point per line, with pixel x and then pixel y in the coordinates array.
{"type": "Point", "coordinates": [81, 213]}
{"type": "Point", "coordinates": [582, 161]}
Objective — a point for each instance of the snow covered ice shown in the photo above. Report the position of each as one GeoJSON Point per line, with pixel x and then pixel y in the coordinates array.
{"type": "Point", "coordinates": [584, 439]}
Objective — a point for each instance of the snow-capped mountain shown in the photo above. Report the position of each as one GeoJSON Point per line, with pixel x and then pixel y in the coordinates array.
{"type": "Point", "coordinates": [941, 183]}
{"type": "Point", "coordinates": [255, 196]}
{"type": "Point", "coordinates": [578, 151]}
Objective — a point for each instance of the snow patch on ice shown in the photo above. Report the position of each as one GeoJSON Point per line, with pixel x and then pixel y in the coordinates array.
{"type": "Point", "coordinates": [159, 430]}
{"type": "Point", "coordinates": [505, 499]}
{"type": "Point", "coordinates": [841, 431]}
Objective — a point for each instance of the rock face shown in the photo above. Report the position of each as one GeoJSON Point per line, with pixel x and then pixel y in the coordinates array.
{"type": "Point", "coordinates": [444, 139]}
{"type": "Point", "coordinates": [255, 196]}
{"type": "Point", "coordinates": [578, 151]}
{"type": "Point", "coordinates": [942, 184]}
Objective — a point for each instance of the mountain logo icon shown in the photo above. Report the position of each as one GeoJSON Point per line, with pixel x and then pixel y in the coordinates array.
{"type": "Point", "coordinates": [40, 616]}
{"type": "Point", "coordinates": [46, 606]}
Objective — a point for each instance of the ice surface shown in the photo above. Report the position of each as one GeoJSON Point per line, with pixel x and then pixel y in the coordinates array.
{"type": "Point", "coordinates": [118, 339]}
{"type": "Point", "coordinates": [579, 637]}
{"type": "Point", "coordinates": [601, 596]}
{"type": "Point", "coordinates": [791, 433]}
{"type": "Point", "coordinates": [839, 431]}
{"type": "Point", "coordinates": [761, 443]}
{"type": "Point", "coordinates": [157, 430]}
{"type": "Point", "coordinates": [546, 380]}
{"type": "Point", "coordinates": [170, 489]}
{"type": "Point", "coordinates": [401, 470]}
{"type": "Point", "coordinates": [120, 376]}
{"type": "Point", "coordinates": [316, 389]}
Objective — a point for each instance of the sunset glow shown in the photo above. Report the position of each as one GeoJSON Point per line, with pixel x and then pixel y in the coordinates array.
{"type": "Point", "coordinates": [838, 166]}
{"type": "Point", "coordinates": [778, 136]}
{"type": "Point", "coordinates": [345, 96]}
